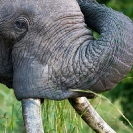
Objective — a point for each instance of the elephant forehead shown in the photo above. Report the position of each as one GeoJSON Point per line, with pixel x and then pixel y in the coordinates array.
{"type": "Point", "coordinates": [53, 7]}
{"type": "Point", "coordinates": [39, 5]}
{"type": "Point", "coordinates": [37, 10]}
{"type": "Point", "coordinates": [63, 5]}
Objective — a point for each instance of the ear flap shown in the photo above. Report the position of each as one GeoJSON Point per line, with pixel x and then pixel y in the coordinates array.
{"type": "Point", "coordinates": [6, 68]}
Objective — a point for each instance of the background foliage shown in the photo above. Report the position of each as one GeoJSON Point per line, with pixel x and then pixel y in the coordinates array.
{"type": "Point", "coordinates": [60, 117]}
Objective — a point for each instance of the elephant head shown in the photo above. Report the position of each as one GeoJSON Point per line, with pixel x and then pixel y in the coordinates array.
{"type": "Point", "coordinates": [48, 52]}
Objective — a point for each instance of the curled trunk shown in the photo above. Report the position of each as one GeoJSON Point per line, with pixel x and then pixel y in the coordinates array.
{"type": "Point", "coordinates": [87, 63]}
{"type": "Point", "coordinates": [109, 58]}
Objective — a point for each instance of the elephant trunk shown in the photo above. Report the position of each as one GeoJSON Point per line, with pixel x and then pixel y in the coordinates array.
{"type": "Point", "coordinates": [64, 55]}
{"type": "Point", "coordinates": [108, 59]}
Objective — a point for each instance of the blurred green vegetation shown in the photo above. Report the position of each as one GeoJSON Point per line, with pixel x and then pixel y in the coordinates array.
{"type": "Point", "coordinates": [125, 6]}
{"type": "Point", "coordinates": [59, 116]}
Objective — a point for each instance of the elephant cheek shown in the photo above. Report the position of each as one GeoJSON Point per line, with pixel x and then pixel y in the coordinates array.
{"type": "Point", "coordinates": [29, 79]}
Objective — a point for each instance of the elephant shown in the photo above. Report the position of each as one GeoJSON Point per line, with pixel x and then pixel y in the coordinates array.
{"type": "Point", "coordinates": [48, 52]}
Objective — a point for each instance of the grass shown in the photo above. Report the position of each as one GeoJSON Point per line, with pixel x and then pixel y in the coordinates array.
{"type": "Point", "coordinates": [57, 116]}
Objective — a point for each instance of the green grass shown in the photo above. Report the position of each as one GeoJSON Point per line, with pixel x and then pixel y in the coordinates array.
{"type": "Point", "coordinates": [58, 116]}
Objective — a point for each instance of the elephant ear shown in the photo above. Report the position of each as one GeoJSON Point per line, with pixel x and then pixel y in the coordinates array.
{"type": "Point", "coordinates": [112, 52]}
{"type": "Point", "coordinates": [6, 68]}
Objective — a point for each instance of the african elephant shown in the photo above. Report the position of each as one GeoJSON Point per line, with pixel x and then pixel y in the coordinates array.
{"type": "Point", "coordinates": [47, 52]}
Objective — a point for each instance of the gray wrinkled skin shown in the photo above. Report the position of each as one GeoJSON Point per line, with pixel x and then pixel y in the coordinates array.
{"type": "Point", "coordinates": [47, 50]}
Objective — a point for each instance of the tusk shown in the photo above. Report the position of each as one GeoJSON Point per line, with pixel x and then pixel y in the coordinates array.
{"type": "Point", "coordinates": [90, 116]}
{"type": "Point", "coordinates": [31, 109]}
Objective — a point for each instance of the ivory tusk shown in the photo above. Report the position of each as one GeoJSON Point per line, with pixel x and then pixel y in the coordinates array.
{"type": "Point", "coordinates": [90, 116]}
{"type": "Point", "coordinates": [31, 109]}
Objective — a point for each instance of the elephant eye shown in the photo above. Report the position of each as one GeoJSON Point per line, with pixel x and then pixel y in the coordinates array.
{"type": "Point", "coordinates": [21, 24]}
